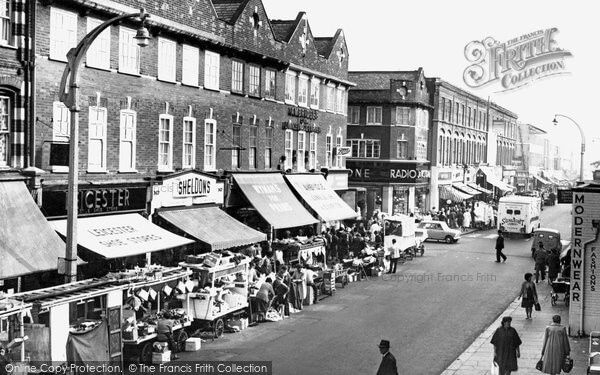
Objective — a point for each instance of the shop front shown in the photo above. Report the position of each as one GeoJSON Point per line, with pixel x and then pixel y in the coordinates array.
{"type": "Point", "coordinates": [337, 180]}
{"type": "Point", "coordinates": [28, 243]}
{"type": "Point", "coordinates": [190, 203]}
{"type": "Point", "coordinates": [399, 187]}
{"type": "Point", "coordinates": [489, 178]}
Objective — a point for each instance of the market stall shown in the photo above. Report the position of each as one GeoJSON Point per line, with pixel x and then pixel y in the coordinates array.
{"type": "Point", "coordinates": [12, 332]}
{"type": "Point", "coordinates": [308, 251]}
{"type": "Point", "coordinates": [220, 288]}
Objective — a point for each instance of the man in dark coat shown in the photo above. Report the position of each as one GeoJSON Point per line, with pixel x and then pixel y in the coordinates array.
{"type": "Point", "coordinates": [506, 343]}
{"type": "Point", "coordinates": [553, 265]}
{"type": "Point", "coordinates": [500, 247]}
{"type": "Point", "coordinates": [388, 361]}
{"type": "Point", "coordinates": [541, 259]}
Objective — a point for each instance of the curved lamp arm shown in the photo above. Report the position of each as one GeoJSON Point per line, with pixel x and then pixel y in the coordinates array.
{"type": "Point", "coordinates": [578, 127]}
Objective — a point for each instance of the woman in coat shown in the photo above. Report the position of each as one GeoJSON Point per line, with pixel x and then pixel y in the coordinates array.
{"type": "Point", "coordinates": [506, 343]}
{"type": "Point", "coordinates": [556, 347]}
{"type": "Point", "coordinates": [528, 294]}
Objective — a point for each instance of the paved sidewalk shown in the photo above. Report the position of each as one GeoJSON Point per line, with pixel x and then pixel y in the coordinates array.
{"type": "Point", "coordinates": [477, 359]}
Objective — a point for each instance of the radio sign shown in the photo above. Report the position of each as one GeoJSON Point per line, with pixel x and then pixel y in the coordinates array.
{"type": "Point", "coordinates": [388, 172]}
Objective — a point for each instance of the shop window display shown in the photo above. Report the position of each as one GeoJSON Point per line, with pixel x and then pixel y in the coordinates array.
{"type": "Point", "coordinates": [400, 201]}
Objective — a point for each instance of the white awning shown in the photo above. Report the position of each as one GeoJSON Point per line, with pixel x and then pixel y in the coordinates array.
{"type": "Point", "coordinates": [499, 183]}
{"type": "Point", "coordinates": [481, 189]}
{"type": "Point", "coordinates": [542, 180]}
{"type": "Point", "coordinates": [118, 236]}
{"type": "Point", "coordinates": [453, 194]}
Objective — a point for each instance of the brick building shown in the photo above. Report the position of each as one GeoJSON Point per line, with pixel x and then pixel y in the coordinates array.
{"type": "Point", "coordinates": [465, 143]}
{"type": "Point", "coordinates": [388, 132]}
{"type": "Point", "coordinates": [219, 88]}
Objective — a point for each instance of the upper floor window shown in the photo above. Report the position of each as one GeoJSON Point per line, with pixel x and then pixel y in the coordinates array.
{"type": "Point", "coordinates": [129, 52]}
{"type": "Point", "coordinates": [290, 87]}
{"type": "Point", "coordinates": [422, 118]}
{"type": "Point", "coordinates": [402, 148]}
{"type": "Point", "coordinates": [338, 144]}
{"type": "Point", "coordinates": [97, 139]}
{"type": "Point", "coordinates": [303, 90]}
{"type": "Point", "coordinates": [374, 115]}
{"type": "Point", "coordinates": [166, 59]}
{"type": "Point", "coordinates": [253, 143]}
{"type": "Point", "coordinates": [236, 156]}
{"type": "Point", "coordinates": [254, 80]}
{"type": "Point", "coordinates": [189, 142]}
{"type": "Point", "coordinates": [190, 65]}
{"type": "Point", "coordinates": [312, 152]}
{"type": "Point", "coordinates": [330, 97]}
{"type": "Point", "coordinates": [289, 147]}
{"type": "Point", "coordinates": [315, 92]}
{"type": "Point", "coordinates": [328, 150]}
{"type": "Point", "coordinates": [237, 76]}
{"type": "Point", "coordinates": [5, 18]}
{"type": "Point", "coordinates": [98, 54]}
{"type": "Point", "coordinates": [403, 116]}
{"type": "Point", "coordinates": [211, 70]}
{"type": "Point", "coordinates": [448, 116]}
{"type": "Point", "coordinates": [354, 115]}
{"type": "Point", "coordinates": [268, 147]}
{"type": "Point", "coordinates": [270, 75]}
{"type": "Point", "coordinates": [61, 120]}
{"type": "Point", "coordinates": [4, 130]}
{"type": "Point", "coordinates": [301, 153]}
{"type": "Point", "coordinates": [63, 33]}
{"type": "Point", "coordinates": [127, 143]}
{"type": "Point", "coordinates": [364, 148]}
{"type": "Point", "coordinates": [165, 142]}
{"type": "Point", "coordinates": [339, 100]}
{"type": "Point", "coordinates": [210, 151]}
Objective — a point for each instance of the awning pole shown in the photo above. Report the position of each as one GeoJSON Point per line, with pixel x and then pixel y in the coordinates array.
{"type": "Point", "coordinates": [22, 334]}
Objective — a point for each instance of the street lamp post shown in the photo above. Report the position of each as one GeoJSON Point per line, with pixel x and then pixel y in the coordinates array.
{"type": "Point", "coordinates": [555, 122]}
{"type": "Point", "coordinates": [70, 98]}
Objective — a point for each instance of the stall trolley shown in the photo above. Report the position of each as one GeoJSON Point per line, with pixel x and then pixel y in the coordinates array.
{"type": "Point", "coordinates": [222, 291]}
{"type": "Point", "coordinates": [594, 350]}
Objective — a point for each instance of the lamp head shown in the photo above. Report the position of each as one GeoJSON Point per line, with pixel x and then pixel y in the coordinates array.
{"type": "Point", "coordinates": [555, 121]}
{"type": "Point", "coordinates": [142, 36]}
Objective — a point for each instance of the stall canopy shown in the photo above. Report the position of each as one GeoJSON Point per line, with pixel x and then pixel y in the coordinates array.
{"type": "Point", "coordinates": [213, 226]}
{"type": "Point", "coordinates": [119, 236]}
{"type": "Point", "coordinates": [492, 180]}
{"type": "Point", "coordinates": [453, 194]}
{"type": "Point", "coordinates": [27, 243]}
{"type": "Point", "coordinates": [315, 192]}
{"type": "Point", "coordinates": [465, 188]}
{"type": "Point", "coordinates": [542, 180]}
{"type": "Point", "coordinates": [477, 187]}
{"type": "Point", "coordinates": [269, 194]}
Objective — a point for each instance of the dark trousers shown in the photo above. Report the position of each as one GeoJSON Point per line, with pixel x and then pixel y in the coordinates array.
{"type": "Point", "coordinates": [538, 270]}
{"type": "Point", "coordinates": [393, 265]}
{"type": "Point", "coordinates": [499, 255]}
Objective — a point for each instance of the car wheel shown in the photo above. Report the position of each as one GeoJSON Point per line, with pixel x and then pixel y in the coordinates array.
{"type": "Point", "coordinates": [449, 239]}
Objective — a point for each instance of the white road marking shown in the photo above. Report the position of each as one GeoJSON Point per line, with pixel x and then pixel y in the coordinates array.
{"type": "Point", "coordinates": [490, 236]}
{"type": "Point", "coordinates": [474, 235]}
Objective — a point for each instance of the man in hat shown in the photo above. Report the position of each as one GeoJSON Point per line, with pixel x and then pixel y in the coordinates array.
{"type": "Point", "coordinates": [388, 361]}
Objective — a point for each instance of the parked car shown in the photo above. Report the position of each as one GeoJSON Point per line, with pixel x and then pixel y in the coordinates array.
{"type": "Point", "coordinates": [439, 231]}
{"type": "Point", "coordinates": [550, 238]}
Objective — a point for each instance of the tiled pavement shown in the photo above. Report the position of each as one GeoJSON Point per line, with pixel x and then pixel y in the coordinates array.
{"type": "Point", "coordinates": [477, 359]}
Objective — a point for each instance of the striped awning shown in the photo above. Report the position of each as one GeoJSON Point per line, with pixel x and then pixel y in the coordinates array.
{"type": "Point", "coordinates": [481, 189]}
{"type": "Point", "coordinates": [465, 188]}
{"type": "Point", "coordinates": [448, 192]}
{"type": "Point", "coordinates": [542, 180]}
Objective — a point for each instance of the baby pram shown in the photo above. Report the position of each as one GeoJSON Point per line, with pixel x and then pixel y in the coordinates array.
{"type": "Point", "coordinates": [594, 360]}
{"type": "Point", "coordinates": [560, 286]}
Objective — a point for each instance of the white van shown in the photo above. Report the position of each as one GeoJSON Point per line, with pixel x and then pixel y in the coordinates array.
{"type": "Point", "coordinates": [519, 214]}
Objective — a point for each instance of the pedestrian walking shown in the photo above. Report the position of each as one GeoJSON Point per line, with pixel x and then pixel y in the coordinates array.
{"type": "Point", "coordinates": [553, 266]}
{"type": "Point", "coordinates": [506, 343]}
{"type": "Point", "coordinates": [541, 258]}
{"type": "Point", "coordinates": [394, 256]}
{"type": "Point", "coordinates": [500, 247]}
{"type": "Point", "coordinates": [556, 347]}
{"type": "Point", "coordinates": [528, 295]}
{"type": "Point", "coordinates": [388, 361]}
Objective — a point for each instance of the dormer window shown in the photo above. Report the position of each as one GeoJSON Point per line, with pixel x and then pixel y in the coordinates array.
{"type": "Point", "coordinates": [255, 20]}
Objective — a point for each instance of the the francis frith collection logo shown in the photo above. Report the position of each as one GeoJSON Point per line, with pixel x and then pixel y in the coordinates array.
{"type": "Point", "coordinates": [515, 63]}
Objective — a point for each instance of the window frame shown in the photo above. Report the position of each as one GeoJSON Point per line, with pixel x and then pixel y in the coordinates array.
{"type": "Point", "coordinates": [237, 76]}
{"type": "Point", "coordinates": [190, 65]}
{"type": "Point", "coordinates": [252, 147]}
{"type": "Point", "coordinates": [169, 166]}
{"type": "Point", "coordinates": [63, 122]}
{"type": "Point", "coordinates": [236, 154]}
{"type": "Point", "coordinates": [315, 93]}
{"type": "Point", "coordinates": [303, 93]}
{"type": "Point", "coordinates": [290, 87]}
{"type": "Point", "coordinates": [339, 100]}
{"type": "Point", "coordinates": [270, 90]}
{"type": "Point", "coordinates": [329, 150]}
{"type": "Point", "coordinates": [404, 143]}
{"type": "Point", "coordinates": [339, 140]}
{"type": "Point", "coordinates": [6, 132]}
{"type": "Point", "coordinates": [330, 97]}
{"type": "Point", "coordinates": [192, 121]}
{"type": "Point", "coordinates": [70, 36]}
{"type": "Point", "coordinates": [401, 119]}
{"type": "Point", "coordinates": [8, 21]}
{"type": "Point", "coordinates": [102, 139]}
{"type": "Point", "coordinates": [312, 150]}
{"type": "Point", "coordinates": [210, 147]}
{"type": "Point", "coordinates": [353, 115]}
{"type": "Point", "coordinates": [268, 155]}
{"type": "Point", "coordinates": [212, 71]}
{"type": "Point", "coordinates": [96, 56]}
{"type": "Point", "coordinates": [167, 60]}
{"type": "Point", "coordinates": [288, 145]}
{"type": "Point", "coordinates": [358, 148]}
{"type": "Point", "coordinates": [254, 80]}
{"type": "Point", "coordinates": [375, 109]}
{"type": "Point", "coordinates": [125, 32]}
{"type": "Point", "coordinates": [122, 139]}
{"type": "Point", "coordinates": [301, 152]}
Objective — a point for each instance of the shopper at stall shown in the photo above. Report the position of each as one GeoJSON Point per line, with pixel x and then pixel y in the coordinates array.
{"type": "Point", "coordinates": [310, 282]}
{"type": "Point", "coordinates": [263, 297]}
{"type": "Point", "coordinates": [299, 278]}
{"type": "Point", "coordinates": [281, 290]}
{"type": "Point", "coordinates": [164, 330]}
{"type": "Point", "coordinates": [394, 252]}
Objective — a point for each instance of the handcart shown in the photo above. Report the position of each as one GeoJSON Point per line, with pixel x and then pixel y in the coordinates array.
{"type": "Point", "coordinates": [594, 350]}
{"type": "Point", "coordinates": [560, 286]}
{"type": "Point", "coordinates": [223, 289]}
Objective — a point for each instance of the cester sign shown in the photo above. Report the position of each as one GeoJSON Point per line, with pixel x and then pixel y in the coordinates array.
{"type": "Point", "coordinates": [390, 172]}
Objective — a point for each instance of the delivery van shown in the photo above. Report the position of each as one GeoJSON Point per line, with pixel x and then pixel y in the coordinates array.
{"type": "Point", "coordinates": [519, 214]}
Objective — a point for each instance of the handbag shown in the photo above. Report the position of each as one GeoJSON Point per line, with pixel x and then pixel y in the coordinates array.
{"type": "Point", "coordinates": [539, 365]}
{"type": "Point", "coordinates": [495, 370]}
{"type": "Point", "coordinates": [567, 365]}
{"type": "Point", "coordinates": [538, 307]}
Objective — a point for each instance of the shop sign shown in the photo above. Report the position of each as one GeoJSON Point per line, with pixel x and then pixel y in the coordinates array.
{"type": "Point", "coordinates": [187, 189]}
{"type": "Point", "coordinates": [565, 195]}
{"type": "Point", "coordinates": [309, 114]}
{"type": "Point", "coordinates": [95, 200]}
{"type": "Point", "coordinates": [338, 181]}
{"type": "Point", "coordinates": [388, 172]}
{"type": "Point", "coordinates": [509, 173]}
{"type": "Point", "coordinates": [444, 176]}
{"type": "Point", "coordinates": [301, 125]}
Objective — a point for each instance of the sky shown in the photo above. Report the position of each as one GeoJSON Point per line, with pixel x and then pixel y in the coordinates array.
{"type": "Point", "coordinates": [406, 35]}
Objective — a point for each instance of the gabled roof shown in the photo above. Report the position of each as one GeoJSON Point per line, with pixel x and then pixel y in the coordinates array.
{"type": "Point", "coordinates": [284, 29]}
{"type": "Point", "coordinates": [323, 46]}
{"type": "Point", "coordinates": [229, 10]}
{"type": "Point", "coordinates": [380, 80]}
